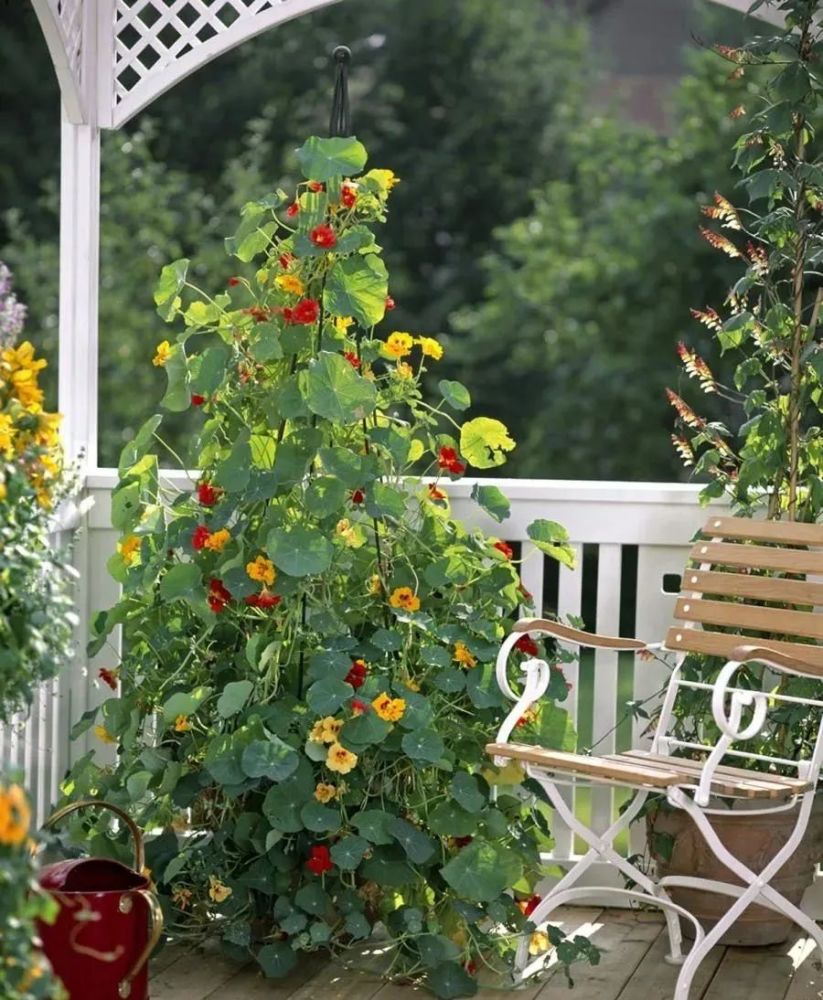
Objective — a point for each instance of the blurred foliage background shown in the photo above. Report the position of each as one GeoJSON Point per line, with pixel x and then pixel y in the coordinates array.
{"type": "Point", "coordinates": [544, 233]}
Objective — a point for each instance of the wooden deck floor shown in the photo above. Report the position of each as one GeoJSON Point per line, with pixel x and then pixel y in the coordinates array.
{"type": "Point", "coordinates": [631, 968]}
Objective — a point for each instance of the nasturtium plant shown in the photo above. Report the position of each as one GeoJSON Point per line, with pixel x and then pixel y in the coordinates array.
{"type": "Point", "coordinates": [309, 636]}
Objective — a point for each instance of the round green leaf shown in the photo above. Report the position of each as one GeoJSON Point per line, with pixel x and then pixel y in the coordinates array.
{"type": "Point", "coordinates": [319, 818]}
{"type": "Point", "coordinates": [270, 758]}
{"type": "Point", "coordinates": [482, 871]}
{"type": "Point", "coordinates": [324, 159]}
{"type": "Point", "coordinates": [233, 698]}
{"type": "Point", "coordinates": [484, 442]}
{"type": "Point", "coordinates": [348, 852]}
{"type": "Point", "coordinates": [450, 980]}
{"type": "Point", "coordinates": [334, 390]}
{"type": "Point", "coordinates": [300, 551]}
{"type": "Point", "coordinates": [455, 394]}
{"type": "Point", "coordinates": [425, 745]}
{"type": "Point", "coordinates": [467, 792]}
{"type": "Point", "coordinates": [357, 286]}
{"type": "Point", "coordinates": [418, 847]}
{"type": "Point", "coordinates": [327, 695]}
{"type": "Point", "coordinates": [493, 500]}
{"type": "Point", "coordinates": [276, 960]}
{"type": "Point", "coordinates": [553, 539]}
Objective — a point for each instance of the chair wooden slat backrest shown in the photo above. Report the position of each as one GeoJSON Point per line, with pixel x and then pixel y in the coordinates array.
{"type": "Point", "coordinates": [748, 581]}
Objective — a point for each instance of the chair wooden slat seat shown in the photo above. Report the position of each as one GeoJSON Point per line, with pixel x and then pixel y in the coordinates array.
{"type": "Point", "coordinates": [795, 561]}
{"type": "Point", "coordinates": [695, 640]}
{"type": "Point", "coordinates": [776, 589]}
{"type": "Point", "coordinates": [750, 617]}
{"type": "Point", "coordinates": [647, 770]}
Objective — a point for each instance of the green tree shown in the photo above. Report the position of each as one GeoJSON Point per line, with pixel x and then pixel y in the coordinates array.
{"type": "Point", "coordinates": [589, 294]}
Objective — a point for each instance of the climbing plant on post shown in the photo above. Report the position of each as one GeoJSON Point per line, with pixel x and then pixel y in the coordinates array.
{"type": "Point", "coordinates": [307, 687]}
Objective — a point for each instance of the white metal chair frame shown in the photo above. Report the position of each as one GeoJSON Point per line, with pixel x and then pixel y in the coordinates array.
{"type": "Point", "coordinates": [728, 705]}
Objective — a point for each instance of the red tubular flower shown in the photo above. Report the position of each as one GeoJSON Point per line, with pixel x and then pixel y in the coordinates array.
{"type": "Point", "coordinates": [436, 494]}
{"type": "Point", "coordinates": [359, 707]}
{"type": "Point", "coordinates": [462, 841]}
{"type": "Point", "coordinates": [317, 186]}
{"type": "Point", "coordinates": [358, 496]}
{"type": "Point", "coordinates": [285, 260]}
{"type": "Point", "coordinates": [319, 860]}
{"type": "Point", "coordinates": [293, 209]}
{"type": "Point", "coordinates": [390, 303]}
{"type": "Point", "coordinates": [207, 494]}
{"type": "Point", "coordinates": [348, 195]}
{"type": "Point", "coordinates": [263, 600]}
{"type": "Point", "coordinates": [527, 645]}
{"type": "Point", "coordinates": [219, 596]}
{"type": "Point", "coordinates": [449, 460]}
{"type": "Point", "coordinates": [108, 677]}
{"type": "Point", "coordinates": [199, 537]}
{"type": "Point", "coordinates": [358, 673]}
{"type": "Point", "coordinates": [232, 282]}
{"type": "Point", "coordinates": [507, 550]}
{"type": "Point", "coordinates": [352, 358]}
{"type": "Point", "coordinates": [306, 311]}
{"type": "Point", "coordinates": [197, 399]}
{"type": "Point", "coordinates": [258, 313]}
{"type": "Point", "coordinates": [528, 906]}
{"type": "Point", "coordinates": [323, 236]}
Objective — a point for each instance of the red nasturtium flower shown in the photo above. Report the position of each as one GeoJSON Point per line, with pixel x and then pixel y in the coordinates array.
{"type": "Point", "coordinates": [358, 673]}
{"type": "Point", "coordinates": [528, 906]}
{"type": "Point", "coordinates": [323, 236]}
{"type": "Point", "coordinates": [390, 303]}
{"type": "Point", "coordinates": [306, 311]}
{"type": "Point", "coordinates": [527, 645]}
{"type": "Point", "coordinates": [319, 859]}
{"type": "Point", "coordinates": [197, 399]}
{"type": "Point", "coordinates": [263, 600]}
{"type": "Point", "coordinates": [462, 841]}
{"type": "Point", "coordinates": [109, 677]}
{"type": "Point", "coordinates": [293, 209]}
{"type": "Point", "coordinates": [507, 550]}
{"type": "Point", "coordinates": [218, 597]}
{"type": "Point", "coordinates": [359, 707]}
{"type": "Point", "coordinates": [199, 537]}
{"type": "Point", "coordinates": [348, 195]}
{"type": "Point", "coordinates": [285, 260]}
{"type": "Point", "coordinates": [352, 359]}
{"type": "Point", "coordinates": [358, 496]}
{"type": "Point", "coordinates": [436, 494]}
{"type": "Point", "coordinates": [449, 460]}
{"type": "Point", "coordinates": [207, 494]}
{"type": "Point", "coordinates": [258, 313]}
{"type": "Point", "coordinates": [317, 186]}
{"type": "Point", "coordinates": [232, 282]}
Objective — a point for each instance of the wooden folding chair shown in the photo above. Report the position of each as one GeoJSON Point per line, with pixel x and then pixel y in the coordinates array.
{"type": "Point", "coordinates": [746, 596]}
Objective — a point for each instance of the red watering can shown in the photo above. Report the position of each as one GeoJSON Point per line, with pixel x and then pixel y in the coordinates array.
{"type": "Point", "coordinates": [109, 921]}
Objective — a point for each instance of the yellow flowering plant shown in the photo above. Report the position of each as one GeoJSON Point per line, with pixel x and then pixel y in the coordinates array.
{"type": "Point", "coordinates": [332, 764]}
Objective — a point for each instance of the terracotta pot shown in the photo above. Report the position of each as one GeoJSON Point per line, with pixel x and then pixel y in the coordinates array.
{"type": "Point", "coordinates": [754, 840]}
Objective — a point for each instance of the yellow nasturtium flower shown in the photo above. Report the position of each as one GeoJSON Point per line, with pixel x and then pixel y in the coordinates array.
{"type": "Point", "coordinates": [340, 759]}
{"type": "Point", "coordinates": [463, 656]}
{"type": "Point", "coordinates": [290, 283]}
{"type": "Point", "coordinates": [325, 730]}
{"type": "Point", "coordinates": [218, 892]}
{"type": "Point", "coordinates": [405, 598]}
{"type": "Point", "coordinates": [389, 709]}
{"type": "Point", "coordinates": [431, 348]}
{"type": "Point", "coordinates": [538, 943]}
{"type": "Point", "coordinates": [162, 353]}
{"type": "Point", "coordinates": [104, 735]}
{"type": "Point", "coordinates": [398, 345]}
{"type": "Point", "coordinates": [128, 548]}
{"type": "Point", "coordinates": [325, 793]}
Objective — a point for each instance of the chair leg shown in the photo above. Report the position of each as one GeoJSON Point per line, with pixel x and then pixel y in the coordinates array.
{"type": "Point", "coordinates": [673, 928]}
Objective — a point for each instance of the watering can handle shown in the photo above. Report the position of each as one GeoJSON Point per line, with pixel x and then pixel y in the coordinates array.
{"type": "Point", "coordinates": [137, 836]}
{"type": "Point", "coordinates": [156, 913]}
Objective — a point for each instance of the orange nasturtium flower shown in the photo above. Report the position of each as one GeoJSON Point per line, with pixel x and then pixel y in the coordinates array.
{"type": "Point", "coordinates": [262, 569]}
{"type": "Point", "coordinates": [182, 724]}
{"type": "Point", "coordinates": [463, 656]}
{"type": "Point", "coordinates": [104, 735]}
{"type": "Point", "coordinates": [404, 597]}
{"type": "Point", "coordinates": [389, 709]}
{"type": "Point", "coordinates": [129, 548]}
{"type": "Point", "coordinates": [218, 892]}
{"type": "Point", "coordinates": [290, 283]}
{"type": "Point", "coordinates": [15, 816]}
{"type": "Point", "coordinates": [217, 540]}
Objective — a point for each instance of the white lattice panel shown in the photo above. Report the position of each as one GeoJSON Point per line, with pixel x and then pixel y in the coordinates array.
{"type": "Point", "coordinates": [157, 42]}
{"type": "Point", "coordinates": [70, 15]}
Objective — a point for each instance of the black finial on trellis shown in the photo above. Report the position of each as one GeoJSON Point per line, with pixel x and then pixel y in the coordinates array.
{"type": "Point", "coordinates": [340, 124]}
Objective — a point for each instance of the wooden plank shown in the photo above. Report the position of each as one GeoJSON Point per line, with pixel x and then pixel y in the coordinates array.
{"type": "Point", "coordinates": [750, 617]}
{"type": "Point", "coordinates": [807, 981]}
{"type": "Point", "coordinates": [727, 780]}
{"type": "Point", "coordinates": [655, 979]}
{"type": "Point", "coordinates": [797, 785]}
{"type": "Point", "coordinates": [625, 938]}
{"type": "Point", "coordinates": [757, 557]}
{"type": "Point", "coordinates": [336, 983]}
{"type": "Point", "coordinates": [748, 972]}
{"type": "Point", "coordinates": [594, 767]}
{"type": "Point", "coordinates": [194, 976]}
{"type": "Point", "coordinates": [788, 532]}
{"type": "Point", "coordinates": [251, 984]}
{"type": "Point", "coordinates": [695, 640]}
{"type": "Point", "coordinates": [758, 588]}
{"type": "Point", "coordinates": [170, 954]}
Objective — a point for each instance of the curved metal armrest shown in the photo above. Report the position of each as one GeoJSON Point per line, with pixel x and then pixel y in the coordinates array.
{"type": "Point", "coordinates": [774, 658]}
{"type": "Point", "coordinates": [577, 636]}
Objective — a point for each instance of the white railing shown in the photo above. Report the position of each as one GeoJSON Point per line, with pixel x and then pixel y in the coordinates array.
{"type": "Point", "coordinates": [628, 537]}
